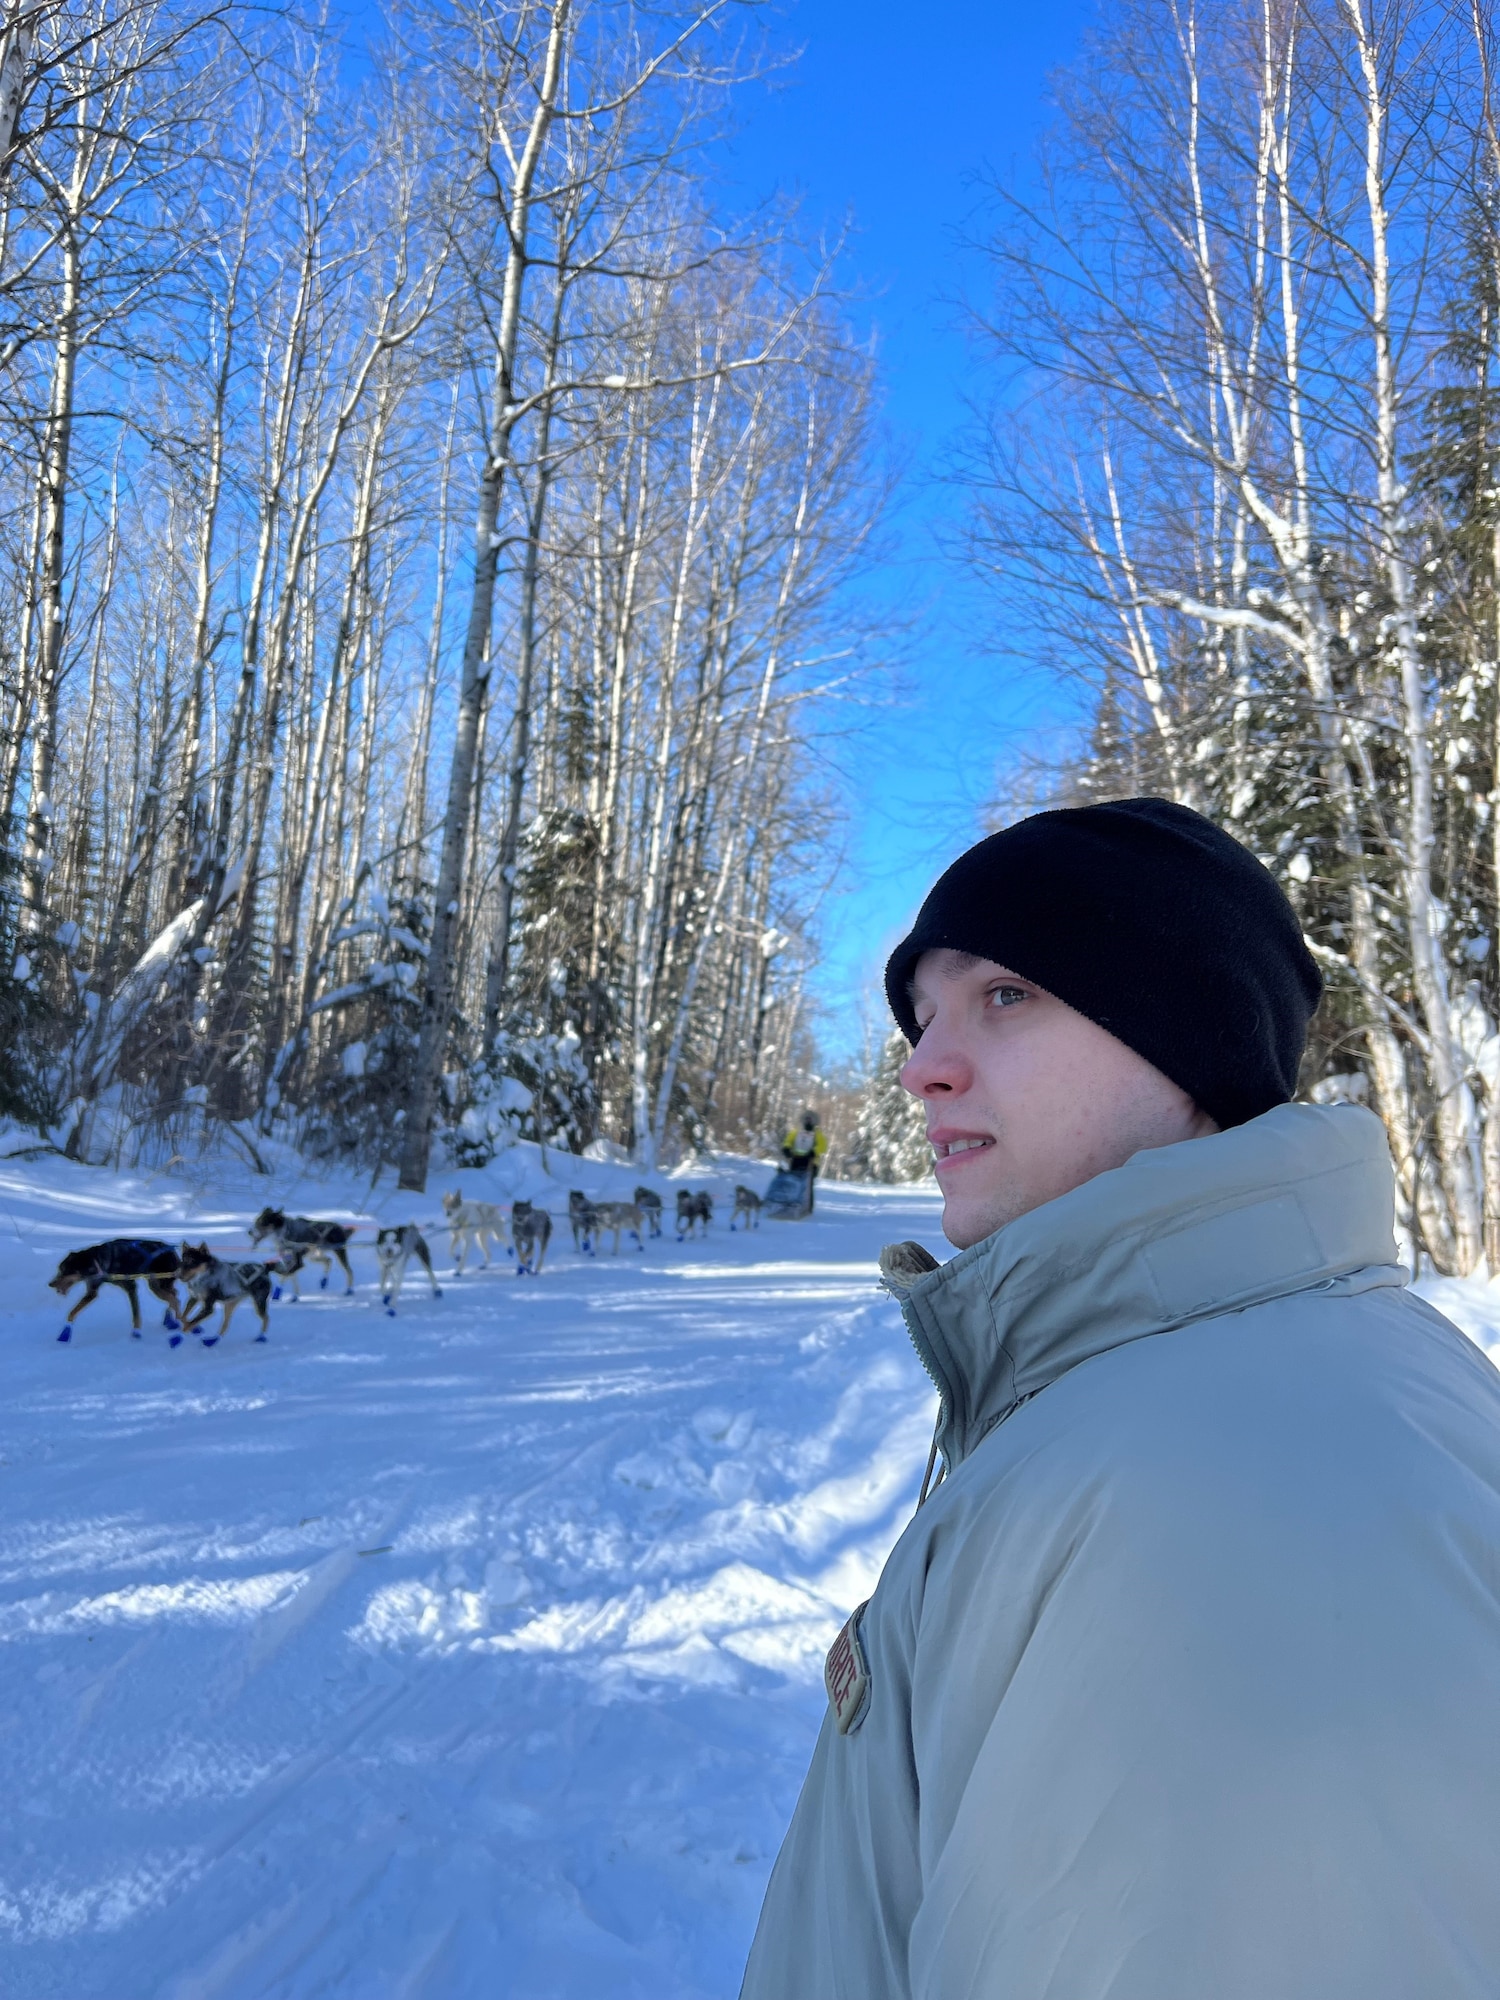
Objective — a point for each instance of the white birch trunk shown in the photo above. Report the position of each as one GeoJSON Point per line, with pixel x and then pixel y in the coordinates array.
{"type": "Point", "coordinates": [1458, 1137]}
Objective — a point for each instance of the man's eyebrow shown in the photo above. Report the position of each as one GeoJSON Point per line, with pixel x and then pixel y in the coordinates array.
{"type": "Point", "coordinates": [955, 965]}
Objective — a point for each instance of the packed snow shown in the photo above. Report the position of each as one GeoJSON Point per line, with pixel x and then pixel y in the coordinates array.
{"type": "Point", "coordinates": [472, 1651]}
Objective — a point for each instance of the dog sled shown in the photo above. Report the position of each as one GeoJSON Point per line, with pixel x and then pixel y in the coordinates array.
{"type": "Point", "coordinates": [789, 1197]}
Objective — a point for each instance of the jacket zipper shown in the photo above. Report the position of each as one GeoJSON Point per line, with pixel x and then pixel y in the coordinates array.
{"type": "Point", "coordinates": [934, 1374]}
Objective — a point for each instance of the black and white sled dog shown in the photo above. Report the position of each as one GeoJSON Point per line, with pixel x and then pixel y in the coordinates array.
{"type": "Point", "coordinates": [219, 1281]}
{"type": "Point", "coordinates": [746, 1203]}
{"type": "Point", "coordinates": [394, 1248]}
{"type": "Point", "coordinates": [473, 1224]}
{"type": "Point", "coordinates": [122, 1261]}
{"type": "Point", "coordinates": [299, 1240]}
{"type": "Point", "coordinates": [583, 1220]}
{"type": "Point", "coordinates": [532, 1230]}
{"type": "Point", "coordinates": [648, 1201]}
{"type": "Point", "coordinates": [618, 1215]}
{"type": "Point", "coordinates": [691, 1209]}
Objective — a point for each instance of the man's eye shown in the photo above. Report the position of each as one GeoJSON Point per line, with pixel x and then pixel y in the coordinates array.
{"type": "Point", "coordinates": [1007, 996]}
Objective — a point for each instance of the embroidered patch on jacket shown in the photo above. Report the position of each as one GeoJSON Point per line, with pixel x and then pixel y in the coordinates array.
{"type": "Point", "coordinates": [846, 1675]}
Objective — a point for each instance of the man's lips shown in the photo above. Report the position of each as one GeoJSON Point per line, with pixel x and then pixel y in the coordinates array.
{"type": "Point", "coordinates": [950, 1147]}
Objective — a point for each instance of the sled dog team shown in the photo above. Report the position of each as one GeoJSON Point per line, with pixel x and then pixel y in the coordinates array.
{"type": "Point", "coordinates": [299, 1240]}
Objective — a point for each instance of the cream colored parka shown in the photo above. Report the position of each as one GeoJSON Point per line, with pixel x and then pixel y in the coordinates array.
{"type": "Point", "coordinates": [1185, 1685]}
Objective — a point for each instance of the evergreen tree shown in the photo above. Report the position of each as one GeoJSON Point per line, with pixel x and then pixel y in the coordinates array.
{"type": "Point", "coordinates": [891, 1136]}
{"type": "Point", "coordinates": [560, 1032]}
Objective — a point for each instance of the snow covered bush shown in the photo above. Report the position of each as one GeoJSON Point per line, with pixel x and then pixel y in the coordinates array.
{"type": "Point", "coordinates": [530, 1087]}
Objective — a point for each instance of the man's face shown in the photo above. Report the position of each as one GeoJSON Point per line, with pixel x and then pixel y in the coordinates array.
{"type": "Point", "coordinates": [1025, 1098]}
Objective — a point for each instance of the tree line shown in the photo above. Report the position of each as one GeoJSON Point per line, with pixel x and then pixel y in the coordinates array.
{"type": "Point", "coordinates": [1241, 486]}
{"type": "Point", "coordinates": [425, 525]}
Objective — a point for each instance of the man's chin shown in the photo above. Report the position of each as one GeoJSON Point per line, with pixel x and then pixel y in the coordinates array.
{"type": "Point", "coordinates": [966, 1221]}
{"type": "Point", "coordinates": [969, 1218]}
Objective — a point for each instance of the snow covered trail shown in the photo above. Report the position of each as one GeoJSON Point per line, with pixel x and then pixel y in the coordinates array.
{"type": "Point", "coordinates": [476, 1651]}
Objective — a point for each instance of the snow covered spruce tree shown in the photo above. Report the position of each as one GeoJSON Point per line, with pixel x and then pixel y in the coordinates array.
{"type": "Point", "coordinates": [1245, 502]}
{"type": "Point", "coordinates": [336, 821]}
{"type": "Point", "coordinates": [890, 1139]}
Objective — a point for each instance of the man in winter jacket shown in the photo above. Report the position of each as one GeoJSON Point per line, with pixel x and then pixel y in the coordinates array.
{"type": "Point", "coordinates": [1184, 1682]}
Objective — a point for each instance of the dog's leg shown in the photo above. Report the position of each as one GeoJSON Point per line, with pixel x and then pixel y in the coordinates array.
{"type": "Point", "coordinates": [174, 1335]}
{"type": "Point", "coordinates": [259, 1301]}
{"type": "Point", "coordinates": [90, 1293]}
{"type": "Point", "coordinates": [166, 1290]}
{"type": "Point", "coordinates": [395, 1279]}
{"type": "Point", "coordinates": [426, 1262]}
{"type": "Point", "coordinates": [339, 1252]}
{"type": "Point", "coordinates": [129, 1288]}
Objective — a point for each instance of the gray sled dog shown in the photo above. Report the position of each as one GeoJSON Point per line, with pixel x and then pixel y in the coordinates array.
{"type": "Point", "coordinates": [746, 1203]}
{"type": "Point", "coordinates": [648, 1201]}
{"type": "Point", "coordinates": [583, 1220]}
{"type": "Point", "coordinates": [394, 1249]}
{"type": "Point", "coordinates": [618, 1215]}
{"type": "Point", "coordinates": [532, 1230]}
{"type": "Point", "coordinates": [311, 1241]}
{"type": "Point", "coordinates": [473, 1225]}
{"type": "Point", "coordinates": [121, 1262]}
{"type": "Point", "coordinates": [691, 1209]}
{"type": "Point", "coordinates": [216, 1281]}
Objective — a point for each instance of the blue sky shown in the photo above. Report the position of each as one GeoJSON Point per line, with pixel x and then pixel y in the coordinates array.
{"type": "Point", "coordinates": [884, 121]}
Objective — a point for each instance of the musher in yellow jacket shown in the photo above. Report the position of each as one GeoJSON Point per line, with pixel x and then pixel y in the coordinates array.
{"type": "Point", "coordinates": [803, 1149]}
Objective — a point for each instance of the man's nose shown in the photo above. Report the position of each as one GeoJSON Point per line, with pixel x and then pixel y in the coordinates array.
{"type": "Point", "coordinates": [938, 1064]}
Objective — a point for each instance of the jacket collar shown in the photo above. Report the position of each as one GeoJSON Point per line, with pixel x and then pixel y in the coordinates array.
{"type": "Point", "coordinates": [1301, 1197]}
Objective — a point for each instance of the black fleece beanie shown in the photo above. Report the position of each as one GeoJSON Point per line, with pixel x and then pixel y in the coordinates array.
{"type": "Point", "coordinates": [1154, 923]}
